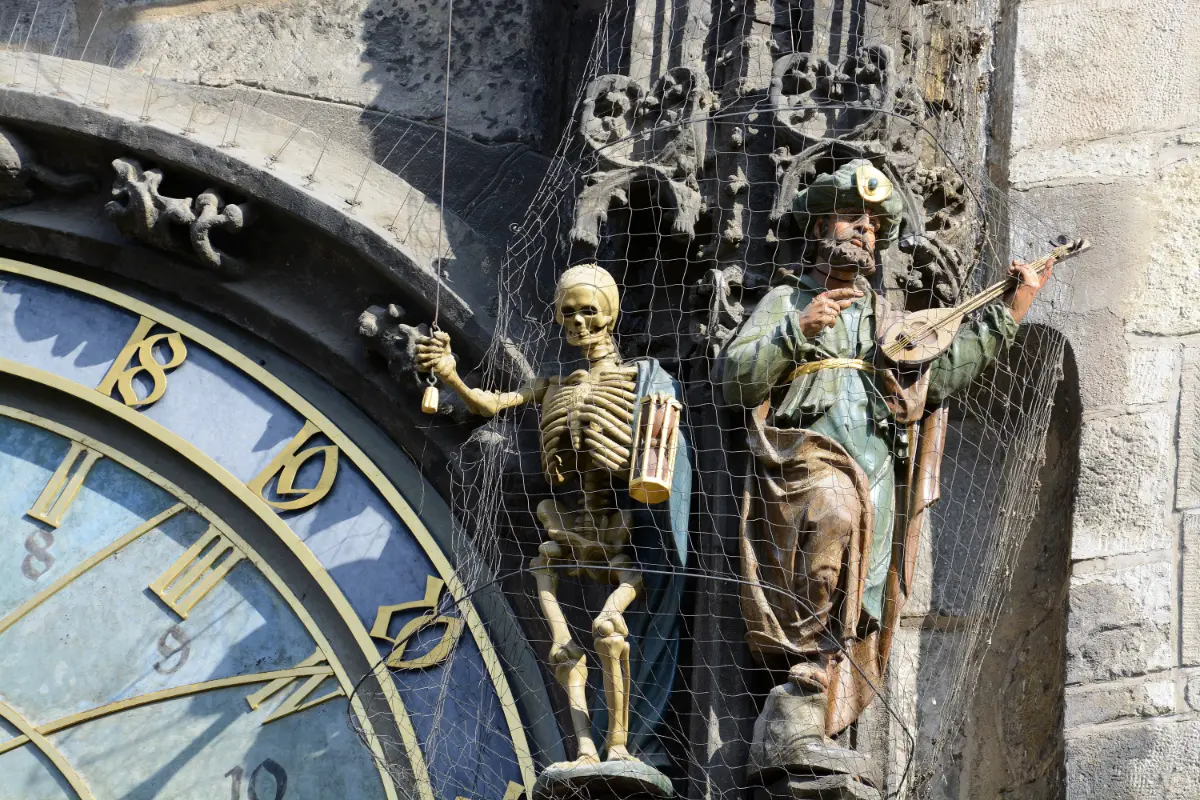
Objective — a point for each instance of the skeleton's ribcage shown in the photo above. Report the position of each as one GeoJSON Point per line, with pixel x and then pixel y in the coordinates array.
{"type": "Point", "coordinates": [587, 421]}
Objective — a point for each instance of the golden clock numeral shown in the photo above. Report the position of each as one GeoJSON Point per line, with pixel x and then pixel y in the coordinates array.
{"type": "Point", "coordinates": [297, 700]}
{"type": "Point", "coordinates": [137, 358]}
{"type": "Point", "coordinates": [287, 464]}
{"type": "Point", "coordinates": [438, 653]}
{"type": "Point", "coordinates": [55, 500]}
{"type": "Point", "coordinates": [195, 573]}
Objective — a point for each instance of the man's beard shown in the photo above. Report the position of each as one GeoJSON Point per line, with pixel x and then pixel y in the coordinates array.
{"type": "Point", "coordinates": [845, 255]}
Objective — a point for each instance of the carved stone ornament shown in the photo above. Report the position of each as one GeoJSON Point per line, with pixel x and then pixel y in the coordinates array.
{"type": "Point", "coordinates": [815, 100]}
{"type": "Point", "coordinates": [19, 167]}
{"type": "Point", "coordinates": [392, 340]}
{"type": "Point", "coordinates": [860, 108]}
{"type": "Point", "coordinates": [637, 134]}
{"type": "Point", "coordinates": [142, 212]}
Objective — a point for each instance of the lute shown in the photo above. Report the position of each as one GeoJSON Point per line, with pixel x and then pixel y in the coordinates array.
{"type": "Point", "coordinates": [921, 336]}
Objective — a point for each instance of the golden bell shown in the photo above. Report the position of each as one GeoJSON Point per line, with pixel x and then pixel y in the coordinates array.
{"type": "Point", "coordinates": [655, 442]}
{"type": "Point", "coordinates": [429, 400]}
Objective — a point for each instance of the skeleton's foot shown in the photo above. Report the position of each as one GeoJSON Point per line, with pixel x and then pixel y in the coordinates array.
{"type": "Point", "coordinates": [619, 753]}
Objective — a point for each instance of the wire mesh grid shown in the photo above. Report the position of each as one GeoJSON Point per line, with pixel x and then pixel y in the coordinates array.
{"type": "Point", "coordinates": [718, 234]}
{"type": "Point", "coordinates": [998, 397]}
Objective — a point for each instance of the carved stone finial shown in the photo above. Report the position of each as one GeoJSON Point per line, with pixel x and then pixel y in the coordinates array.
{"type": "Point", "coordinates": [142, 212]}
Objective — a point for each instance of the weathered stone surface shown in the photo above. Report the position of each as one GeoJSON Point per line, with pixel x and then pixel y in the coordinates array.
{"type": "Point", "coordinates": [1124, 484]}
{"type": "Point", "coordinates": [1191, 691]}
{"type": "Point", "coordinates": [1187, 476]}
{"type": "Point", "coordinates": [1154, 759]}
{"type": "Point", "coordinates": [1118, 158]}
{"type": "Point", "coordinates": [827, 787]}
{"type": "Point", "coordinates": [1168, 302]}
{"type": "Point", "coordinates": [1189, 603]}
{"type": "Point", "coordinates": [1087, 297]}
{"type": "Point", "coordinates": [1093, 704]}
{"type": "Point", "coordinates": [1069, 87]}
{"type": "Point", "coordinates": [377, 53]}
{"type": "Point", "coordinates": [1152, 372]}
{"type": "Point", "coordinates": [1119, 622]}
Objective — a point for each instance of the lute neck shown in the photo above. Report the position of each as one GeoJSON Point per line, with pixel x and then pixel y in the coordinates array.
{"type": "Point", "coordinates": [999, 288]}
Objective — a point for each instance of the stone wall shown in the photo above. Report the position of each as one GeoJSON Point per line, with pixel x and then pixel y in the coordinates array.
{"type": "Point", "coordinates": [369, 74]}
{"type": "Point", "coordinates": [1109, 145]}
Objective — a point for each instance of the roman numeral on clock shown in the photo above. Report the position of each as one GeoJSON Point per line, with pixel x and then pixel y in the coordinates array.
{"type": "Point", "coordinates": [55, 500]}
{"type": "Point", "coordinates": [197, 572]}
{"type": "Point", "coordinates": [316, 668]}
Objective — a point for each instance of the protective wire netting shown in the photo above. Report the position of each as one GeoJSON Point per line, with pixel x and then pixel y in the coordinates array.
{"type": "Point", "coordinates": [967, 547]}
{"type": "Point", "coordinates": [684, 295]}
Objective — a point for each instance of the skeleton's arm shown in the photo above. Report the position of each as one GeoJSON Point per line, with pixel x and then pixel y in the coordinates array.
{"type": "Point", "coordinates": [433, 355]}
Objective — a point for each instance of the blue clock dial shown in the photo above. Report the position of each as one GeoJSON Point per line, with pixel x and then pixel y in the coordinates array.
{"type": "Point", "coordinates": [270, 619]}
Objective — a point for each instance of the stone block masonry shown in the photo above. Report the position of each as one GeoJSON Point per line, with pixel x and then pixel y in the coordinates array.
{"type": "Point", "coordinates": [1106, 137]}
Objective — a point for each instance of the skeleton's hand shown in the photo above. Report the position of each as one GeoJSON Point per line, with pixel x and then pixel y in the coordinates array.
{"type": "Point", "coordinates": [433, 355]}
{"type": "Point", "coordinates": [823, 311]}
{"type": "Point", "coordinates": [609, 623]}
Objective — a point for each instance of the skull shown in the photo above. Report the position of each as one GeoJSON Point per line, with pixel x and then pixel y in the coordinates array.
{"type": "Point", "coordinates": [586, 304]}
{"type": "Point", "coordinates": [582, 313]}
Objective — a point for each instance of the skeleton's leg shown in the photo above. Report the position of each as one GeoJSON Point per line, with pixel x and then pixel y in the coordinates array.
{"type": "Point", "coordinates": [567, 657]}
{"type": "Point", "coordinates": [613, 648]}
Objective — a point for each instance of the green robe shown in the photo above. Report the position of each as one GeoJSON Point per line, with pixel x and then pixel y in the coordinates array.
{"type": "Point", "coordinates": [847, 405]}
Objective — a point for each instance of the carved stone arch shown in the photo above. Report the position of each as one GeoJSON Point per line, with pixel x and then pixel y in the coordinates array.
{"type": "Point", "coordinates": [321, 246]}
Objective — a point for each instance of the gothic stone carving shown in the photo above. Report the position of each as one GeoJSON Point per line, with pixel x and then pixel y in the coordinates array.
{"type": "Point", "coordinates": [861, 108]}
{"type": "Point", "coordinates": [142, 212]}
{"type": "Point", "coordinates": [19, 167]}
{"type": "Point", "coordinates": [657, 135]}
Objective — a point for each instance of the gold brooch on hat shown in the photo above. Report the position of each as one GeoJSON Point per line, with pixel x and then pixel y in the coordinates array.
{"type": "Point", "coordinates": [873, 186]}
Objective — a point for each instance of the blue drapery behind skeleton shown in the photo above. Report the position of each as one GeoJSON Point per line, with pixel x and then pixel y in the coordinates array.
{"type": "Point", "coordinates": [659, 545]}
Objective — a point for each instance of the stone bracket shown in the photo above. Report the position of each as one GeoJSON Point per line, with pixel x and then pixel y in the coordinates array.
{"type": "Point", "coordinates": [142, 212]}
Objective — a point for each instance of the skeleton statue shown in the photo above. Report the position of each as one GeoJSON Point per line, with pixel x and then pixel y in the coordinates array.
{"type": "Point", "coordinates": [611, 423]}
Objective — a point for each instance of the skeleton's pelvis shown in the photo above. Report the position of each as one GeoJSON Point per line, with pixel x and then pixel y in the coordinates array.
{"type": "Point", "coordinates": [590, 540]}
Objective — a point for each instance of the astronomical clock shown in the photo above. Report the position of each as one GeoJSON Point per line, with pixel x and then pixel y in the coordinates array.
{"type": "Point", "coordinates": [209, 590]}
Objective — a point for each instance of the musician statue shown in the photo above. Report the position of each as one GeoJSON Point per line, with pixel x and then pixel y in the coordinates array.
{"type": "Point", "coordinates": [616, 454]}
{"type": "Point", "coordinates": [846, 426]}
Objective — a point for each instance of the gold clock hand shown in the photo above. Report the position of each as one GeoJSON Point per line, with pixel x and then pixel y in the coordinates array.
{"type": "Point", "coordinates": [30, 734]}
{"type": "Point", "coordinates": [80, 569]}
{"type": "Point", "coordinates": [281, 676]}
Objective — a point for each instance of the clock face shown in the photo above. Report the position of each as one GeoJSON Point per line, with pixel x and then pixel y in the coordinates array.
{"type": "Point", "coordinates": [207, 590]}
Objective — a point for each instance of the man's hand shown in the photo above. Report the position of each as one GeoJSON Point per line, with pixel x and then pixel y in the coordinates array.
{"type": "Point", "coordinates": [1020, 298]}
{"type": "Point", "coordinates": [433, 355]}
{"type": "Point", "coordinates": [823, 311]}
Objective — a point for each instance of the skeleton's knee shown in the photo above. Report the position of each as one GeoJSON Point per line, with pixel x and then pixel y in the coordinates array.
{"type": "Point", "coordinates": [604, 628]}
{"type": "Point", "coordinates": [566, 656]}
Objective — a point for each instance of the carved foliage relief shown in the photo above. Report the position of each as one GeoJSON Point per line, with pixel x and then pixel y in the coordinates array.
{"type": "Point", "coordinates": [718, 164]}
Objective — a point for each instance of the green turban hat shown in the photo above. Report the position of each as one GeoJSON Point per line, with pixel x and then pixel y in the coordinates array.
{"type": "Point", "coordinates": [855, 185]}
